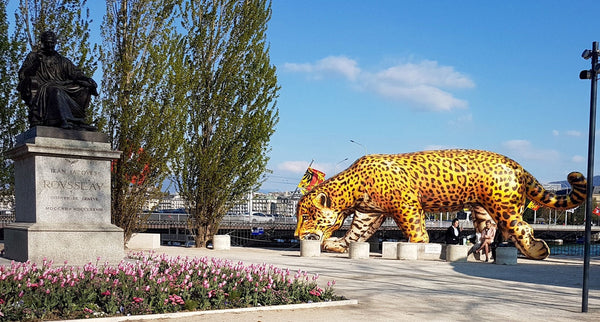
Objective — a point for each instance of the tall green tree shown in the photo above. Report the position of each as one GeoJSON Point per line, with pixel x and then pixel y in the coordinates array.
{"type": "Point", "coordinates": [69, 19]}
{"type": "Point", "coordinates": [12, 111]}
{"type": "Point", "coordinates": [231, 96]}
{"type": "Point", "coordinates": [139, 101]}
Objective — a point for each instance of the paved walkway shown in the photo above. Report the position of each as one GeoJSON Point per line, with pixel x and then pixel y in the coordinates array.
{"type": "Point", "coordinates": [395, 290]}
{"type": "Point", "coordinates": [419, 290]}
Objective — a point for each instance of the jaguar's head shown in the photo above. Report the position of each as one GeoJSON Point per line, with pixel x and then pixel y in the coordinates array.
{"type": "Point", "coordinates": [317, 220]}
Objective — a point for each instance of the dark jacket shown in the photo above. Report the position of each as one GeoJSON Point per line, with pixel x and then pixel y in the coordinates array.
{"type": "Point", "coordinates": [451, 238]}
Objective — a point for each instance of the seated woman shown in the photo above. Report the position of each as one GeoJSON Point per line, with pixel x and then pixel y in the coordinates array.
{"type": "Point", "coordinates": [487, 238]}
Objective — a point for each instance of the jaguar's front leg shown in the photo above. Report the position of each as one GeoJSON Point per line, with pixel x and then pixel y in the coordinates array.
{"type": "Point", "coordinates": [364, 225]}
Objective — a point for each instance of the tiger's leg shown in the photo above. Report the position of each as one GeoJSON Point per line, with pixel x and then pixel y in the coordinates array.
{"type": "Point", "coordinates": [412, 224]}
{"type": "Point", "coordinates": [511, 224]}
{"type": "Point", "coordinates": [364, 225]}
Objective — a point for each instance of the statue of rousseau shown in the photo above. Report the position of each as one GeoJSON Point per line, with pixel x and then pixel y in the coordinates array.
{"type": "Point", "coordinates": [56, 92]}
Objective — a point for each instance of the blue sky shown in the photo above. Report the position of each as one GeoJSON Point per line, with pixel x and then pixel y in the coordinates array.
{"type": "Point", "coordinates": [404, 76]}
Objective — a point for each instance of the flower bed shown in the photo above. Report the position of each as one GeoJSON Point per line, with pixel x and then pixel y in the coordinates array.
{"type": "Point", "coordinates": [149, 284]}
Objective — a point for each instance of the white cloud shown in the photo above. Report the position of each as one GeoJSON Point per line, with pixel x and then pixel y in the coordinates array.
{"type": "Point", "coordinates": [525, 150]}
{"type": "Point", "coordinates": [423, 83]}
{"type": "Point", "coordinates": [578, 159]}
{"type": "Point", "coordinates": [555, 133]}
{"type": "Point", "coordinates": [293, 166]}
{"type": "Point", "coordinates": [332, 65]}
{"type": "Point", "coordinates": [573, 133]}
{"type": "Point", "coordinates": [425, 73]}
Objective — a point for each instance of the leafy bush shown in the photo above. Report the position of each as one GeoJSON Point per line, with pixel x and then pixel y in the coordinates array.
{"type": "Point", "coordinates": [146, 283]}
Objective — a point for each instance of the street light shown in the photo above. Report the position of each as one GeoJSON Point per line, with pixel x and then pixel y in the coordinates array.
{"type": "Point", "coordinates": [591, 74]}
{"type": "Point", "coordinates": [336, 165]}
{"type": "Point", "coordinates": [364, 147]}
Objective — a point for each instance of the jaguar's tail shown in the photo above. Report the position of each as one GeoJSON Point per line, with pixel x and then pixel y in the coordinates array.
{"type": "Point", "coordinates": [536, 192]}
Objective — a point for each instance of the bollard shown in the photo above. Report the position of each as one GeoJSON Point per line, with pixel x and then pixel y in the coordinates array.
{"type": "Point", "coordinates": [407, 250]}
{"type": "Point", "coordinates": [221, 242]}
{"type": "Point", "coordinates": [310, 248]}
{"type": "Point", "coordinates": [359, 250]}
{"type": "Point", "coordinates": [506, 256]}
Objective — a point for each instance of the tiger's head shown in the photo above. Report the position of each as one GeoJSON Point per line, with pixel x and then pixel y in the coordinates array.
{"type": "Point", "coordinates": [317, 220]}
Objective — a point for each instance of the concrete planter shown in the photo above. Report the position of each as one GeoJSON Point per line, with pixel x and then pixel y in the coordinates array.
{"type": "Point", "coordinates": [221, 242]}
{"type": "Point", "coordinates": [389, 250]}
{"type": "Point", "coordinates": [359, 250]}
{"type": "Point", "coordinates": [457, 253]}
{"type": "Point", "coordinates": [408, 250]}
{"type": "Point", "coordinates": [506, 256]}
{"type": "Point", "coordinates": [310, 248]}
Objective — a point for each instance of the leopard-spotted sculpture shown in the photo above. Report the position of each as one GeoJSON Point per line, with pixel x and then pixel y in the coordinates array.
{"type": "Point", "coordinates": [404, 186]}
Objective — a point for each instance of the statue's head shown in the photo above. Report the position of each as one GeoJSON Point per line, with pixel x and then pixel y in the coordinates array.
{"type": "Point", "coordinates": [48, 40]}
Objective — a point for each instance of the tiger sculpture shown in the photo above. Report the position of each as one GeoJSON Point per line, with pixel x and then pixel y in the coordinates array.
{"type": "Point", "coordinates": [405, 186]}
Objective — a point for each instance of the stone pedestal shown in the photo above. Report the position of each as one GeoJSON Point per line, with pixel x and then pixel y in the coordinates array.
{"type": "Point", "coordinates": [408, 250]}
{"type": "Point", "coordinates": [63, 198]}
{"type": "Point", "coordinates": [221, 242]}
{"type": "Point", "coordinates": [310, 248]}
{"type": "Point", "coordinates": [359, 250]}
{"type": "Point", "coordinates": [506, 256]}
{"type": "Point", "coordinates": [457, 253]}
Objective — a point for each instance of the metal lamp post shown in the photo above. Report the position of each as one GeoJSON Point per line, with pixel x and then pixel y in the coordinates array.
{"type": "Point", "coordinates": [591, 74]}
{"type": "Point", "coordinates": [364, 147]}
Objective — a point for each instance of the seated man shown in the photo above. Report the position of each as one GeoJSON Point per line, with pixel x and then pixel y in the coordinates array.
{"type": "Point", "coordinates": [55, 90]}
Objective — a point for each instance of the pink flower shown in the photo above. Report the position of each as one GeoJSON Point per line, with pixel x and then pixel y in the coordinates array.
{"type": "Point", "coordinates": [106, 293]}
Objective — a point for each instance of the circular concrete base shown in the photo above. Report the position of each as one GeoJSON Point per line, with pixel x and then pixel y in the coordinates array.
{"type": "Point", "coordinates": [359, 250]}
{"type": "Point", "coordinates": [310, 248]}
{"type": "Point", "coordinates": [408, 250]}
{"type": "Point", "coordinates": [221, 242]}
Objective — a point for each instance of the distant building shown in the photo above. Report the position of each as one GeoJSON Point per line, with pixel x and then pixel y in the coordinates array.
{"type": "Point", "coordinates": [281, 203]}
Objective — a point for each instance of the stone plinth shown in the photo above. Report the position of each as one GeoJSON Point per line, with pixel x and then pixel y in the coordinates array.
{"type": "Point", "coordinates": [221, 242]}
{"type": "Point", "coordinates": [407, 250]}
{"type": "Point", "coordinates": [310, 248]}
{"type": "Point", "coordinates": [506, 256]}
{"type": "Point", "coordinates": [359, 250]}
{"type": "Point", "coordinates": [457, 253]}
{"type": "Point", "coordinates": [63, 198]}
{"type": "Point", "coordinates": [389, 250]}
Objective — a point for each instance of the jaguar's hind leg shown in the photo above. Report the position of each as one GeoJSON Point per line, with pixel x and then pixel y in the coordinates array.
{"type": "Point", "coordinates": [511, 224]}
{"type": "Point", "coordinates": [412, 225]}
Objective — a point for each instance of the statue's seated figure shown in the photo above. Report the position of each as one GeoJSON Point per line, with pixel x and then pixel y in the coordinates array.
{"type": "Point", "coordinates": [57, 93]}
